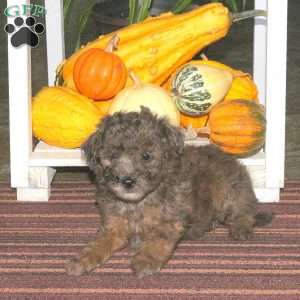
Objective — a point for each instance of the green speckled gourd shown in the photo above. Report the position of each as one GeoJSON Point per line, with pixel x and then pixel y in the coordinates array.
{"type": "Point", "coordinates": [197, 88]}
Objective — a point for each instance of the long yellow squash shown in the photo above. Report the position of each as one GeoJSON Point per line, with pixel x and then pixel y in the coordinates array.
{"type": "Point", "coordinates": [156, 47]}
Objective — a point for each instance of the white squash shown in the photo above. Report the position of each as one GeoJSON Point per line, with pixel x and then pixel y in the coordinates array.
{"type": "Point", "coordinates": [148, 95]}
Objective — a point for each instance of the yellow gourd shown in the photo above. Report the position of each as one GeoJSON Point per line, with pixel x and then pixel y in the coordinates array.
{"type": "Point", "coordinates": [62, 117]}
{"type": "Point", "coordinates": [243, 87]}
{"type": "Point", "coordinates": [148, 95]}
{"type": "Point", "coordinates": [156, 47]}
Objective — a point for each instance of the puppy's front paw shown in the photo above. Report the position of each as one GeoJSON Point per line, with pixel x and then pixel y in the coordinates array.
{"type": "Point", "coordinates": [143, 265]}
{"type": "Point", "coordinates": [78, 267]}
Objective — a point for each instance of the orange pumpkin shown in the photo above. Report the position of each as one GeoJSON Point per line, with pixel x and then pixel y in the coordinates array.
{"type": "Point", "coordinates": [237, 127]}
{"type": "Point", "coordinates": [100, 74]}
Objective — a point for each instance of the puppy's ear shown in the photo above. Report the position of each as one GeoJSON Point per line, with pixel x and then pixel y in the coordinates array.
{"type": "Point", "coordinates": [173, 137]}
{"type": "Point", "coordinates": [89, 149]}
{"type": "Point", "coordinates": [92, 146]}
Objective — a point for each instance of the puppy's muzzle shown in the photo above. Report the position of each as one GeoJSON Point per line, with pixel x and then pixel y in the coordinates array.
{"type": "Point", "coordinates": [127, 181]}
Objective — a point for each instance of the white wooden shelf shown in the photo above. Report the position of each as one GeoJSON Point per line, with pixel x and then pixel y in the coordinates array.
{"type": "Point", "coordinates": [32, 170]}
{"type": "Point", "coordinates": [50, 156]}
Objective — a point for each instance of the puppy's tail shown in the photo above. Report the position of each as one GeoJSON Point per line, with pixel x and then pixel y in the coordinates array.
{"type": "Point", "coordinates": [264, 218]}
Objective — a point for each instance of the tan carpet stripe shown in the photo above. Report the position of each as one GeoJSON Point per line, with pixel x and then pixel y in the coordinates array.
{"type": "Point", "coordinates": [155, 291]}
{"type": "Point", "coordinates": [180, 271]}
{"type": "Point", "coordinates": [224, 232]}
{"type": "Point", "coordinates": [182, 245]}
{"type": "Point", "coordinates": [179, 253]}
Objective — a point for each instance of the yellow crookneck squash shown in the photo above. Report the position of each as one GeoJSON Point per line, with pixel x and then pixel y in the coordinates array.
{"type": "Point", "coordinates": [156, 47]}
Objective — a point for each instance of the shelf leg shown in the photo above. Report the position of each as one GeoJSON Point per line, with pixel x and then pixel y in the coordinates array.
{"type": "Point", "coordinates": [39, 187]}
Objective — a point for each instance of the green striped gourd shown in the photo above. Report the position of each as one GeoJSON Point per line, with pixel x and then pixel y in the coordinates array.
{"type": "Point", "coordinates": [197, 88]}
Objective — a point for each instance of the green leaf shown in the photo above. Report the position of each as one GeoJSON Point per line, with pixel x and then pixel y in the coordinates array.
{"type": "Point", "coordinates": [83, 21]}
{"type": "Point", "coordinates": [144, 10]}
{"type": "Point", "coordinates": [132, 10]}
{"type": "Point", "coordinates": [67, 7]}
{"type": "Point", "coordinates": [233, 5]}
{"type": "Point", "coordinates": [181, 5]}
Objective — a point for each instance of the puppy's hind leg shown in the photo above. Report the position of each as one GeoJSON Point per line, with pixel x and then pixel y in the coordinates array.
{"type": "Point", "coordinates": [203, 221]}
{"type": "Point", "coordinates": [242, 226]}
{"type": "Point", "coordinates": [113, 237]}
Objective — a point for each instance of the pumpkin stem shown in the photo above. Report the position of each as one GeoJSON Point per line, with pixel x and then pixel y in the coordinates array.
{"type": "Point", "coordinates": [135, 79]}
{"type": "Point", "coordinates": [238, 16]}
{"type": "Point", "coordinates": [113, 43]}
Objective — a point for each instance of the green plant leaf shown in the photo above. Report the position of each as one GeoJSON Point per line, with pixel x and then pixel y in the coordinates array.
{"type": "Point", "coordinates": [138, 10]}
{"type": "Point", "coordinates": [83, 21]}
{"type": "Point", "coordinates": [144, 10]}
{"type": "Point", "coordinates": [67, 7]}
{"type": "Point", "coordinates": [181, 5]}
{"type": "Point", "coordinates": [233, 5]}
{"type": "Point", "coordinates": [132, 10]}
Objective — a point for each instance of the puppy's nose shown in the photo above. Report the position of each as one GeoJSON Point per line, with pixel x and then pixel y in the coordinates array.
{"type": "Point", "coordinates": [127, 181]}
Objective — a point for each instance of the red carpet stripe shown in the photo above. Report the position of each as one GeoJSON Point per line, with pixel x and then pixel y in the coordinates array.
{"type": "Point", "coordinates": [36, 240]}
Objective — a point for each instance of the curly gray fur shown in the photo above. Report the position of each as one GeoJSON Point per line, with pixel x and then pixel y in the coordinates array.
{"type": "Point", "coordinates": [153, 191]}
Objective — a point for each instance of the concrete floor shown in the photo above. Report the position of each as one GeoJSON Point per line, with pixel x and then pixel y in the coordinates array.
{"type": "Point", "coordinates": [235, 50]}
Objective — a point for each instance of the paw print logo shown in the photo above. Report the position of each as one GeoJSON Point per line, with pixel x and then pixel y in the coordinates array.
{"type": "Point", "coordinates": [24, 32]}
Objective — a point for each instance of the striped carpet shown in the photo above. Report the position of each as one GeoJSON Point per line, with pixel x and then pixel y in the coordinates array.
{"type": "Point", "coordinates": [36, 239]}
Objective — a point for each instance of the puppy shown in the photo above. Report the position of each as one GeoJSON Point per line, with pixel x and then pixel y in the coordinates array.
{"type": "Point", "coordinates": [152, 191]}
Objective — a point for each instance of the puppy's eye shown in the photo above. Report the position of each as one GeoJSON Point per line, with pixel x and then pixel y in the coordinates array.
{"type": "Point", "coordinates": [146, 156]}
